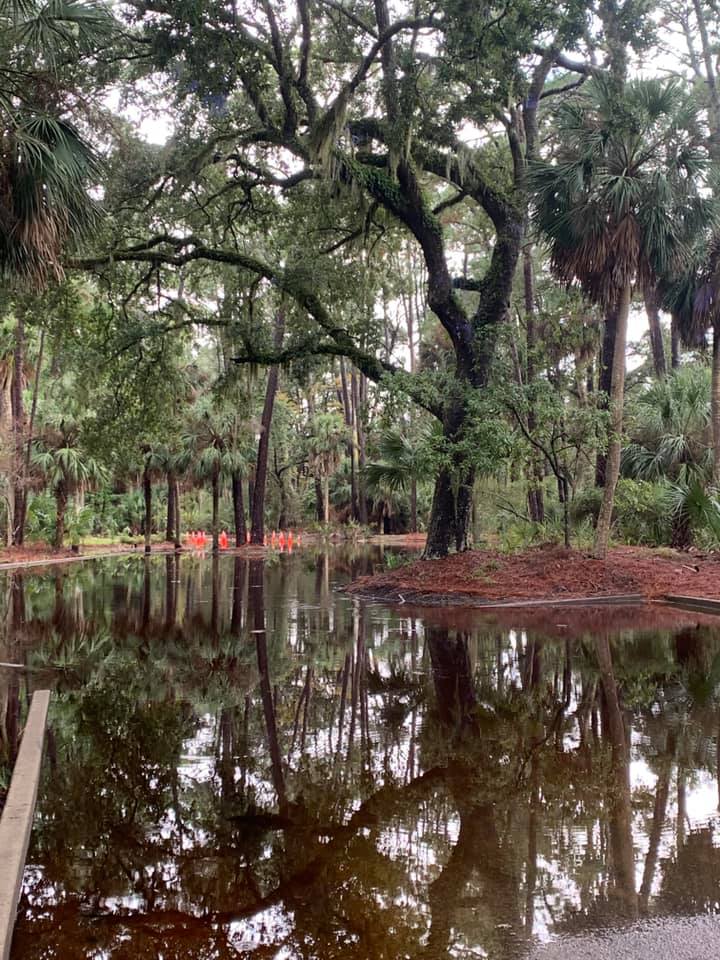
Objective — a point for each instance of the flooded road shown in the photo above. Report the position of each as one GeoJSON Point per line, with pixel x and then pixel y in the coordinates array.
{"type": "Point", "coordinates": [244, 762]}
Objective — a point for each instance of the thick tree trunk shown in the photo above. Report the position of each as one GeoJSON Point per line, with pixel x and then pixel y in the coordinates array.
{"type": "Point", "coordinates": [605, 378]}
{"type": "Point", "coordinates": [257, 531]}
{"type": "Point", "coordinates": [147, 493]}
{"type": "Point", "coordinates": [449, 525]}
{"type": "Point", "coordinates": [715, 404]}
{"type": "Point", "coordinates": [652, 308]}
{"type": "Point", "coordinates": [614, 448]}
{"type": "Point", "coordinates": [61, 499]}
{"type": "Point", "coordinates": [238, 510]}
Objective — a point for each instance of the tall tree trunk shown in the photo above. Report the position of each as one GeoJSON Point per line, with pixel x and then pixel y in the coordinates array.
{"type": "Point", "coordinates": [359, 386]}
{"type": "Point", "coordinates": [20, 521]}
{"type": "Point", "coordinates": [61, 499]}
{"type": "Point", "coordinates": [177, 536]}
{"type": "Point", "coordinates": [614, 448]}
{"type": "Point", "coordinates": [413, 506]}
{"type": "Point", "coordinates": [675, 346]}
{"type": "Point", "coordinates": [621, 839]}
{"type": "Point", "coordinates": [715, 403]}
{"type": "Point", "coordinates": [535, 495]}
{"type": "Point", "coordinates": [238, 509]}
{"type": "Point", "coordinates": [147, 493]}
{"type": "Point", "coordinates": [652, 308]}
{"type": "Point", "coordinates": [326, 499]}
{"type": "Point", "coordinates": [605, 382]}
{"type": "Point", "coordinates": [351, 450]}
{"type": "Point", "coordinates": [215, 509]}
{"type": "Point", "coordinates": [257, 531]}
{"type": "Point", "coordinates": [170, 525]}
{"type": "Point", "coordinates": [18, 418]}
{"type": "Point", "coordinates": [256, 599]}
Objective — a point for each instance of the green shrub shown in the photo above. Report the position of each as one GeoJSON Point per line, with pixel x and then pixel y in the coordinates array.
{"type": "Point", "coordinates": [641, 512]}
{"type": "Point", "coordinates": [641, 515]}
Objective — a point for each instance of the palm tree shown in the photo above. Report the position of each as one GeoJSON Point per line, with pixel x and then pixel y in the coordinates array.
{"type": "Point", "coordinates": [402, 463]}
{"type": "Point", "coordinates": [328, 435]}
{"type": "Point", "coordinates": [216, 457]}
{"type": "Point", "coordinates": [694, 300]}
{"type": "Point", "coordinates": [618, 206]}
{"type": "Point", "coordinates": [66, 468]}
{"type": "Point", "coordinates": [154, 460]}
{"type": "Point", "coordinates": [46, 165]}
{"type": "Point", "coordinates": [670, 431]}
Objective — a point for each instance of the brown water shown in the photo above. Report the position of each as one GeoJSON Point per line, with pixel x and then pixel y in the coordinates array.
{"type": "Point", "coordinates": [243, 762]}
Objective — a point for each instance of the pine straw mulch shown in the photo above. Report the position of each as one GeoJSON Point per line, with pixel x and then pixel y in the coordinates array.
{"type": "Point", "coordinates": [545, 572]}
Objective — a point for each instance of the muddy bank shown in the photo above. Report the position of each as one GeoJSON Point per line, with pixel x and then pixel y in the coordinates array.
{"type": "Point", "coordinates": [546, 572]}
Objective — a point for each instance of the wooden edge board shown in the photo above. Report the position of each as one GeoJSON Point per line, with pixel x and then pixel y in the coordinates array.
{"type": "Point", "coordinates": [17, 816]}
{"type": "Point", "coordinates": [706, 604]}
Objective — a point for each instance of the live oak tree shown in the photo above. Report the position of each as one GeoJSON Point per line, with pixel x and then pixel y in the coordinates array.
{"type": "Point", "coordinates": [393, 110]}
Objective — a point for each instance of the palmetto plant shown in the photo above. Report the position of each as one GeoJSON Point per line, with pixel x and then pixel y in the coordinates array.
{"type": "Point", "coordinates": [402, 462]}
{"type": "Point", "coordinates": [46, 165]}
{"type": "Point", "coordinates": [619, 207]}
{"type": "Point", "coordinates": [66, 468]}
{"type": "Point", "coordinates": [670, 441]}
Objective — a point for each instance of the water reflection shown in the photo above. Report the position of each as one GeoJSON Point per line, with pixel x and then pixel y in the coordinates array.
{"type": "Point", "coordinates": [245, 763]}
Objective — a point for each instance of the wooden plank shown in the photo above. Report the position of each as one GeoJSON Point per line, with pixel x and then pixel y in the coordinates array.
{"type": "Point", "coordinates": [17, 816]}
{"type": "Point", "coordinates": [705, 604]}
{"type": "Point", "coordinates": [562, 601]}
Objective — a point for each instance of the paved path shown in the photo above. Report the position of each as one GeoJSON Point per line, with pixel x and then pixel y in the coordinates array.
{"type": "Point", "coordinates": [684, 938]}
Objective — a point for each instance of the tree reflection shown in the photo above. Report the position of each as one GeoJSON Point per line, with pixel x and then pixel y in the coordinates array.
{"type": "Point", "coordinates": [249, 765]}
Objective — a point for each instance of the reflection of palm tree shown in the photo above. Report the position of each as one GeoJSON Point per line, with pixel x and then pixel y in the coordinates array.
{"type": "Point", "coordinates": [623, 855]}
{"type": "Point", "coordinates": [257, 611]}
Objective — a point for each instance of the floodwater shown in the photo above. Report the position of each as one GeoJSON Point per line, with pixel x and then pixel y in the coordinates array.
{"type": "Point", "coordinates": [243, 762]}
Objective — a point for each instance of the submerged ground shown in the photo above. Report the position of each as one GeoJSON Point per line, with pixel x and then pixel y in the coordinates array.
{"type": "Point", "coordinates": [244, 762]}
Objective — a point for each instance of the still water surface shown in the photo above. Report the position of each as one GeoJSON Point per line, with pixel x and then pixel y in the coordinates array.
{"type": "Point", "coordinates": [245, 763]}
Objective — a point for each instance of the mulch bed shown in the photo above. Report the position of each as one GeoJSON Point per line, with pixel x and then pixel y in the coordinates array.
{"type": "Point", "coordinates": [545, 572]}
